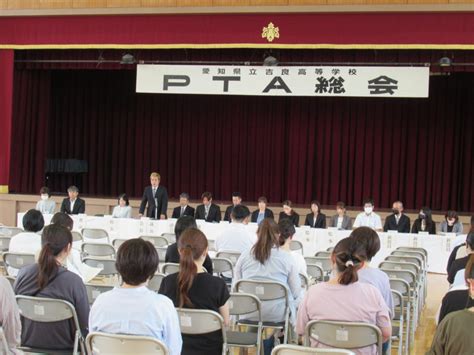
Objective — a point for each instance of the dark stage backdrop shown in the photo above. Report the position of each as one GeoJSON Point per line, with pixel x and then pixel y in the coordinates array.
{"type": "Point", "coordinates": [418, 150]}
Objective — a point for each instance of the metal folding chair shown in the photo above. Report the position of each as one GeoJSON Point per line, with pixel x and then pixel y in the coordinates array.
{"type": "Point", "coordinates": [48, 310]}
{"type": "Point", "coordinates": [403, 288]}
{"type": "Point", "coordinates": [107, 265]}
{"type": "Point", "coordinates": [17, 260]}
{"type": "Point", "coordinates": [116, 243]}
{"type": "Point", "coordinates": [76, 236]}
{"type": "Point", "coordinates": [202, 321]}
{"type": "Point", "coordinates": [243, 304]}
{"type": "Point", "coordinates": [170, 236]}
{"type": "Point", "coordinates": [157, 241]}
{"type": "Point", "coordinates": [323, 254]}
{"type": "Point", "coordinates": [161, 253]}
{"type": "Point", "coordinates": [315, 272]}
{"type": "Point", "coordinates": [97, 250]}
{"type": "Point", "coordinates": [95, 233]}
{"type": "Point", "coordinates": [155, 282]}
{"type": "Point", "coordinates": [10, 231]}
{"type": "Point", "coordinates": [221, 265]}
{"type": "Point", "coordinates": [344, 335]}
{"type": "Point", "coordinates": [267, 291]}
{"type": "Point", "coordinates": [94, 290]}
{"type": "Point", "coordinates": [102, 343]}
{"type": "Point", "coordinates": [169, 268]}
{"type": "Point", "coordinates": [304, 281]}
{"type": "Point", "coordinates": [302, 350]}
{"type": "Point", "coordinates": [296, 245]}
{"type": "Point", "coordinates": [232, 255]}
{"type": "Point", "coordinates": [398, 321]}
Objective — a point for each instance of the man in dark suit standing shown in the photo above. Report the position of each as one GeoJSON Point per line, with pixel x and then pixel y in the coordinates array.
{"type": "Point", "coordinates": [236, 200]}
{"type": "Point", "coordinates": [183, 209]}
{"type": "Point", "coordinates": [397, 221]}
{"type": "Point", "coordinates": [73, 204]}
{"type": "Point", "coordinates": [156, 197]}
{"type": "Point", "coordinates": [208, 211]}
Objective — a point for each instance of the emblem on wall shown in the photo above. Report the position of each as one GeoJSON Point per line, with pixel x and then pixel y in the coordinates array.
{"type": "Point", "coordinates": [271, 32]}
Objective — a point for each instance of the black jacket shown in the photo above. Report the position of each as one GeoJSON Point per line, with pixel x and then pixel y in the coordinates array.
{"type": "Point", "coordinates": [295, 218]}
{"type": "Point", "coordinates": [320, 220]}
{"type": "Point", "coordinates": [79, 206]}
{"type": "Point", "coordinates": [188, 211]}
{"type": "Point", "coordinates": [268, 214]}
{"type": "Point", "coordinates": [161, 197]}
{"type": "Point", "coordinates": [214, 214]}
{"type": "Point", "coordinates": [403, 225]}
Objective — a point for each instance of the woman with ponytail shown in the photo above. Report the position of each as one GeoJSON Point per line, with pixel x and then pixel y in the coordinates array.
{"type": "Point", "coordinates": [193, 287]}
{"type": "Point", "coordinates": [344, 298]}
{"type": "Point", "coordinates": [267, 261]}
{"type": "Point", "coordinates": [50, 279]}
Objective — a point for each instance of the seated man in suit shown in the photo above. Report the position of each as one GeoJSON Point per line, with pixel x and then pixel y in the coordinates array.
{"type": "Point", "coordinates": [183, 209]}
{"type": "Point", "coordinates": [73, 204]}
{"type": "Point", "coordinates": [156, 197]}
{"type": "Point", "coordinates": [236, 200]}
{"type": "Point", "coordinates": [208, 211]}
{"type": "Point", "coordinates": [341, 220]}
{"type": "Point", "coordinates": [397, 221]}
{"type": "Point", "coordinates": [262, 212]}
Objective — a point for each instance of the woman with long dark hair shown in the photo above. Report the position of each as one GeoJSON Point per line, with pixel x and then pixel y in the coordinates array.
{"type": "Point", "coordinates": [344, 298]}
{"type": "Point", "coordinates": [424, 222]}
{"type": "Point", "coordinates": [193, 287]}
{"type": "Point", "coordinates": [49, 278]}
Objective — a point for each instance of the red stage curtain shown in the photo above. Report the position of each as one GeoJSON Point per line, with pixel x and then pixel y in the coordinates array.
{"type": "Point", "coordinates": [6, 100]}
{"type": "Point", "coordinates": [417, 150]}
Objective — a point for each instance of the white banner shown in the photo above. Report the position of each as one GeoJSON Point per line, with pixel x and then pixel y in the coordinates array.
{"type": "Point", "coordinates": [283, 81]}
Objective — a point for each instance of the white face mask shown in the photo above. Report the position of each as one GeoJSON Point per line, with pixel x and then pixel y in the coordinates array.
{"type": "Point", "coordinates": [44, 197]}
{"type": "Point", "coordinates": [368, 210]}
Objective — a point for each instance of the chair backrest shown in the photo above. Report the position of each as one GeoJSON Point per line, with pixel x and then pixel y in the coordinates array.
{"type": "Point", "coordinates": [211, 244]}
{"type": "Point", "coordinates": [323, 254]}
{"type": "Point", "coordinates": [4, 243]}
{"type": "Point", "coordinates": [304, 281]}
{"type": "Point", "coordinates": [107, 265]}
{"type": "Point", "coordinates": [95, 233]}
{"type": "Point", "coordinates": [345, 335]}
{"type": "Point", "coordinates": [97, 249]}
{"type": "Point", "coordinates": [232, 255]}
{"type": "Point", "coordinates": [77, 236]}
{"type": "Point", "coordinates": [244, 303]}
{"type": "Point", "coordinates": [401, 286]}
{"type": "Point", "coordinates": [116, 243]}
{"type": "Point", "coordinates": [157, 241]}
{"type": "Point", "coordinates": [398, 305]}
{"type": "Point", "coordinates": [323, 262]}
{"type": "Point", "coordinates": [170, 236]}
{"type": "Point", "coordinates": [221, 265]}
{"type": "Point", "coordinates": [161, 253]}
{"type": "Point", "coordinates": [47, 310]}
{"type": "Point", "coordinates": [170, 268]}
{"type": "Point", "coordinates": [296, 245]}
{"type": "Point", "coordinates": [18, 260]}
{"type": "Point", "coordinates": [393, 265]}
{"type": "Point", "coordinates": [200, 321]}
{"type": "Point", "coordinates": [94, 290]}
{"type": "Point", "coordinates": [102, 343]}
{"type": "Point", "coordinates": [264, 290]}
{"type": "Point", "coordinates": [406, 259]}
{"type": "Point", "coordinates": [422, 250]}
{"type": "Point", "coordinates": [10, 231]}
{"type": "Point", "coordinates": [315, 272]}
{"type": "Point", "coordinates": [286, 349]}
{"type": "Point", "coordinates": [155, 282]}
{"type": "Point", "coordinates": [407, 275]}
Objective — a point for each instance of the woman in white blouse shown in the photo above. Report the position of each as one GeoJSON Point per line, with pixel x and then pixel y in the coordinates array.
{"type": "Point", "coordinates": [123, 210]}
{"type": "Point", "coordinates": [45, 205]}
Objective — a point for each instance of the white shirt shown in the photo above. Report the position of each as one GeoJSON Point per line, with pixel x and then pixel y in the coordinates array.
{"type": "Point", "coordinates": [71, 203]}
{"type": "Point", "coordinates": [25, 242]}
{"type": "Point", "coordinates": [339, 222]}
{"type": "Point", "coordinates": [137, 311]}
{"type": "Point", "coordinates": [236, 238]}
{"type": "Point", "coordinates": [372, 221]}
{"type": "Point", "coordinates": [300, 263]}
{"type": "Point", "coordinates": [122, 212]}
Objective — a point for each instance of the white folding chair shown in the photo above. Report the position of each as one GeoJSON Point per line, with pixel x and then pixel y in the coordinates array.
{"type": "Point", "coordinates": [286, 349]}
{"type": "Point", "coordinates": [323, 254]}
{"type": "Point", "coordinates": [267, 291]}
{"type": "Point", "coordinates": [304, 281]}
{"type": "Point", "coordinates": [77, 236]}
{"type": "Point", "coordinates": [10, 231]}
{"type": "Point", "coordinates": [95, 233]}
{"type": "Point", "coordinates": [343, 335]}
{"type": "Point", "coordinates": [170, 236]}
{"type": "Point", "coordinates": [47, 310]}
{"type": "Point", "coordinates": [4, 243]}
{"type": "Point", "coordinates": [107, 265]}
{"type": "Point", "coordinates": [155, 282]}
{"type": "Point", "coordinates": [170, 268]}
{"type": "Point", "coordinates": [98, 250]}
{"type": "Point", "coordinates": [398, 321]}
{"type": "Point", "coordinates": [202, 321]}
{"type": "Point", "coordinates": [296, 245]}
{"type": "Point", "coordinates": [232, 255]}
{"type": "Point", "coordinates": [161, 253]}
{"type": "Point", "coordinates": [17, 260]}
{"type": "Point", "coordinates": [315, 272]}
{"type": "Point", "coordinates": [243, 304]}
{"type": "Point", "coordinates": [116, 243]}
{"type": "Point", "coordinates": [404, 289]}
{"type": "Point", "coordinates": [157, 241]}
{"type": "Point", "coordinates": [221, 265]}
{"type": "Point", "coordinates": [94, 290]}
{"type": "Point", "coordinates": [117, 344]}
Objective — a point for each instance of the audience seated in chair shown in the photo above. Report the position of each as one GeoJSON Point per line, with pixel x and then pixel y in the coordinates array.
{"type": "Point", "coordinates": [461, 263]}
{"type": "Point", "coordinates": [287, 231]}
{"type": "Point", "coordinates": [343, 298]}
{"type": "Point", "coordinates": [193, 287]}
{"type": "Point", "coordinates": [132, 308]}
{"type": "Point", "coordinates": [49, 279]}
{"type": "Point", "coordinates": [9, 316]}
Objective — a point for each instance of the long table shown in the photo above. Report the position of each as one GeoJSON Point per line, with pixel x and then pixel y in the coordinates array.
{"type": "Point", "coordinates": [439, 247]}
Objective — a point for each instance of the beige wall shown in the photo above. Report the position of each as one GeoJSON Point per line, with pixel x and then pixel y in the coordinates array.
{"type": "Point", "coordinates": [11, 204]}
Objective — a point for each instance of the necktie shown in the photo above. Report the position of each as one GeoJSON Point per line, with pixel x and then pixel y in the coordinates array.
{"type": "Point", "coordinates": [182, 212]}
{"type": "Point", "coordinates": [207, 212]}
{"type": "Point", "coordinates": [154, 192]}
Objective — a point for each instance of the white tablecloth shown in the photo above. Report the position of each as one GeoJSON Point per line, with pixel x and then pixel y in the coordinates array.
{"type": "Point", "coordinates": [438, 247]}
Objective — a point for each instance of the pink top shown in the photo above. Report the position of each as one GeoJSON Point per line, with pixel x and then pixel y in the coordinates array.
{"type": "Point", "coordinates": [357, 302]}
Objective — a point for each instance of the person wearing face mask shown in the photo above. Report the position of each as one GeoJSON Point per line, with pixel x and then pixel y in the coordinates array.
{"type": "Point", "coordinates": [451, 223]}
{"type": "Point", "coordinates": [424, 222]}
{"type": "Point", "coordinates": [397, 221]}
{"type": "Point", "coordinates": [368, 218]}
{"type": "Point", "coordinates": [45, 205]}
